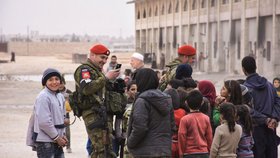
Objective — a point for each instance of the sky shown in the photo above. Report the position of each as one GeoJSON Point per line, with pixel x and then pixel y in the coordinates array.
{"type": "Point", "coordinates": [59, 17]}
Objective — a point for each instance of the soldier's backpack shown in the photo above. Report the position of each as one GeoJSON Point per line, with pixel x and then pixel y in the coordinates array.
{"type": "Point", "coordinates": [79, 102]}
{"type": "Point", "coordinates": [74, 101]}
{"type": "Point", "coordinates": [115, 98]}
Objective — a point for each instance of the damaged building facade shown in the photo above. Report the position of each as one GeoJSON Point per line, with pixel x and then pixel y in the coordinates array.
{"type": "Point", "coordinates": [222, 31]}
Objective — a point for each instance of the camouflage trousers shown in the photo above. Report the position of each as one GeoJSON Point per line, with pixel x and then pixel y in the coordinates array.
{"type": "Point", "coordinates": [97, 135]}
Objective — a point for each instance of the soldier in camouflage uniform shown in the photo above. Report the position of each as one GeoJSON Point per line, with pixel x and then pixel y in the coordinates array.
{"type": "Point", "coordinates": [186, 54]}
{"type": "Point", "coordinates": [90, 83]}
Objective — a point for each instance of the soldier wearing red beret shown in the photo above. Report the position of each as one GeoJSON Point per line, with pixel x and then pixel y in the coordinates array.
{"type": "Point", "coordinates": [187, 50]}
{"type": "Point", "coordinates": [186, 55]}
{"type": "Point", "coordinates": [90, 85]}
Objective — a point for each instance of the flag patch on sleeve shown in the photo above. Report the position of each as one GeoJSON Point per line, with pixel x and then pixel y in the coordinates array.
{"type": "Point", "coordinates": [85, 74]}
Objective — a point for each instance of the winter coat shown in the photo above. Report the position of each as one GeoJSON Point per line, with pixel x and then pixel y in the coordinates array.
{"type": "Point", "coordinates": [151, 124]}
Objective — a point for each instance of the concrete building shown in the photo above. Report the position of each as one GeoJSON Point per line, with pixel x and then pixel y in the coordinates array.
{"type": "Point", "coordinates": [222, 31]}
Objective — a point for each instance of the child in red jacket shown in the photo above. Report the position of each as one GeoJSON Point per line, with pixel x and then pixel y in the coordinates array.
{"type": "Point", "coordinates": [195, 132]}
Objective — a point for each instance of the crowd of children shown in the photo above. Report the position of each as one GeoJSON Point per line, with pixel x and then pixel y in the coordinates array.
{"type": "Point", "coordinates": [189, 120]}
{"type": "Point", "coordinates": [223, 125]}
{"type": "Point", "coordinates": [206, 124]}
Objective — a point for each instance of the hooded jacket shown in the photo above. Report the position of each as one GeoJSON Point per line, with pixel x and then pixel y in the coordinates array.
{"type": "Point", "coordinates": [265, 100]}
{"type": "Point", "coordinates": [151, 125]}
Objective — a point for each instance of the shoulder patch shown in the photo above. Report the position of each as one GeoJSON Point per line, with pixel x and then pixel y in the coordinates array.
{"type": "Point", "coordinates": [85, 74]}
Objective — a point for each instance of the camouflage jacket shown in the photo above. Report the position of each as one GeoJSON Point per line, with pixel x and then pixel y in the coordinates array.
{"type": "Point", "coordinates": [170, 74]}
{"type": "Point", "coordinates": [90, 83]}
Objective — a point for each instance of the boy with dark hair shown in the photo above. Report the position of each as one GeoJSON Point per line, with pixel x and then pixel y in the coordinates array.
{"type": "Point", "coordinates": [195, 132]}
{"type": "Point", "coordinates": [266, 110]}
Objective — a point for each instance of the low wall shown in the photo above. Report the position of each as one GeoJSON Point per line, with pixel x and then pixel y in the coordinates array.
{"type": "Point", "coordinates": [48, 48]}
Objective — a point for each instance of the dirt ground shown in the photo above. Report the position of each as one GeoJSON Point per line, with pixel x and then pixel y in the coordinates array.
{"type": "Point", "coordinates": [16, 104]}
{"type": "Point", "coordinates": [14, 122]}
{"type": "Point", "coordinates": [17, 97]}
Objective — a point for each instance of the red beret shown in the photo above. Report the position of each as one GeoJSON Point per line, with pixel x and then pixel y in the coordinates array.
{"type": "Point", "coordinates": [100, 49]}
{"type": "Point", "coordinates": [187, 50]}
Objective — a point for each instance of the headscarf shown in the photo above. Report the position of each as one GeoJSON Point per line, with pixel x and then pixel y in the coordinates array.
{"type": "Point", "coordinates": [146, 79]}
{"type": "Point", "coordinates": [208, 90]}
{"type": "Point", "coordinates": [183, 71]}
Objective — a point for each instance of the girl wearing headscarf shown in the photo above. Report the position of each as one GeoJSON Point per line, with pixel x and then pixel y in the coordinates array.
{"type": "Point", "coordinates": [208, 91]}
{"type": "Point", "coordinates": [151, 121]}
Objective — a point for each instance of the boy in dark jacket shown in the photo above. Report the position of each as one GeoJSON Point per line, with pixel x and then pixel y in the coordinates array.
{"type": "Point", "coordinates": [266, 110]}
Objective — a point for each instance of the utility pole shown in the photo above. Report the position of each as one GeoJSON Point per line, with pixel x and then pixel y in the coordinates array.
{"type": "Point", "coordinates": [27, 40]}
